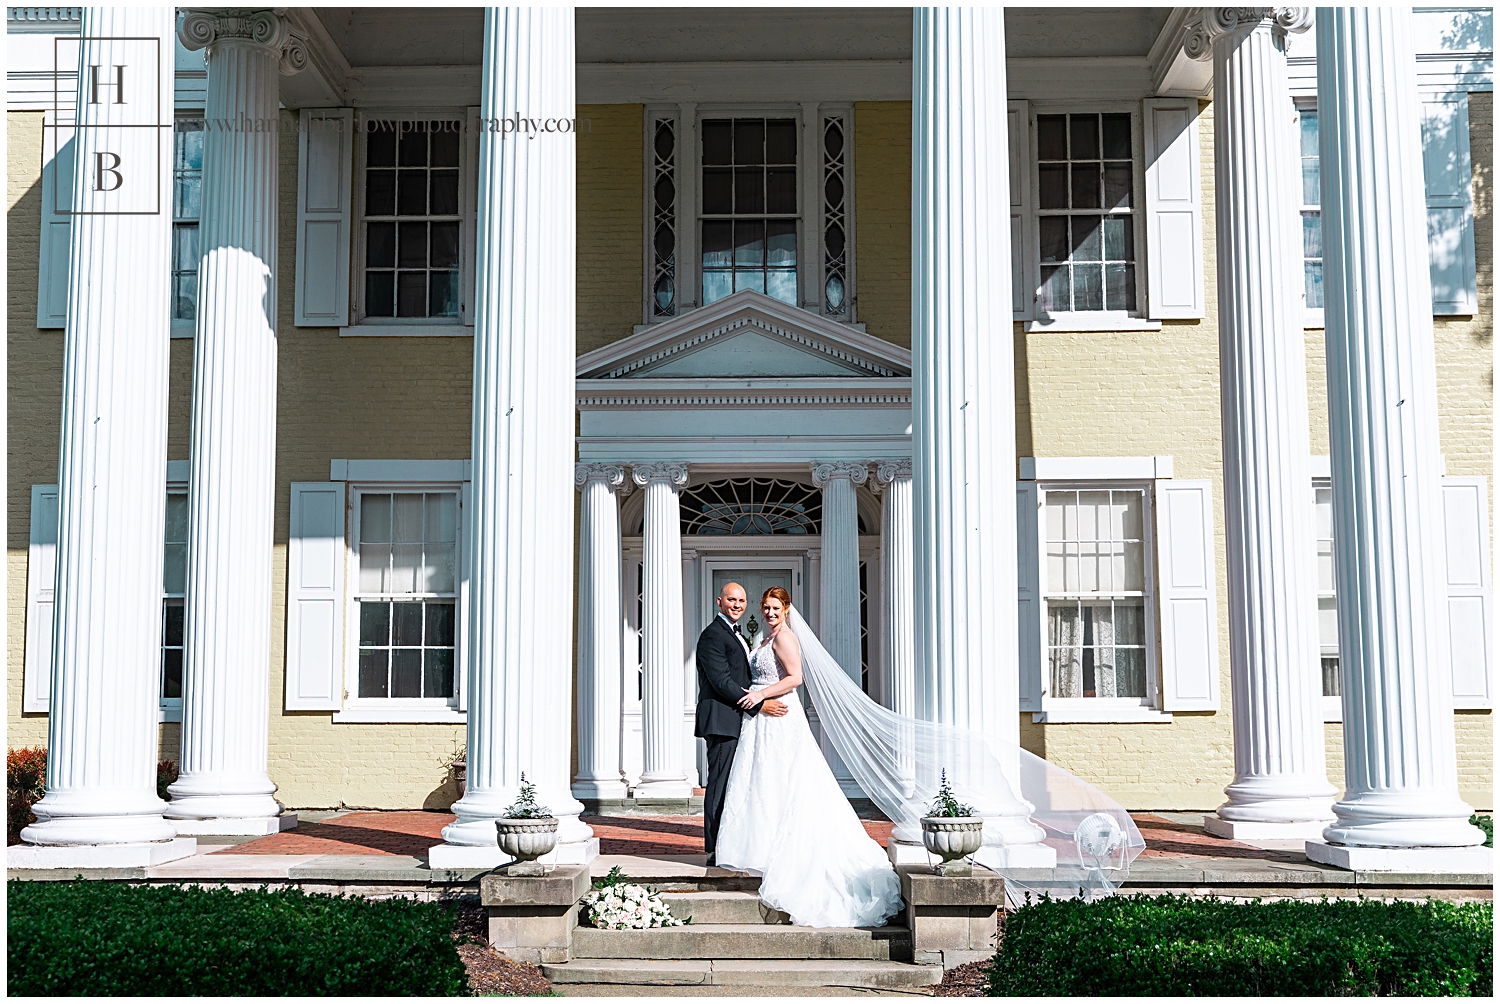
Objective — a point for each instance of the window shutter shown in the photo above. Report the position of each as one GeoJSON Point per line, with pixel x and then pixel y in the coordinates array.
{"type": "Point", "coordinates": [1450, 213]}
{"type": "Point", "coordinates": [1029, 591]}
{"type": "Point", "coordinates": [1022, 266]}
{"type": "Point", "coordinates": [315, 597]}
{"type": "Point", "coordinates": [1467, 539]}
{"type": "Point", "coordinates": [465, 544]}
{"type": "Point", "coordinates": [57, 230]}
{"type": "Point", "coordinates": [1174, 209]}
{"type": "Point", "coordinates": [325, 174]}
{"type": "Point", "coordinates": [1185, 592]}
{"type": "Point", "coordinates": [41, 576]}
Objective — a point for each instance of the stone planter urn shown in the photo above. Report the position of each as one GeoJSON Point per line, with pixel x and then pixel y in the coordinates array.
{"type": "Point", "coordinates": [461, 776]}
{"type": "Point", "coordinates": [952, 838]}
{"type": "Point", "coordinates": [526, 840]}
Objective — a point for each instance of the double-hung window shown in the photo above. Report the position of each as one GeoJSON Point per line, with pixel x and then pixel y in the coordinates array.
{"type": "Point", "coordinates": [1328, 617]}
{"type": "Point", "coordinates": [406, 595]}
{"type": "Point", "coordinates": [749, 215]}
{"type": "Point", "coordinates": [187, 190]}
{"type": "Point", "coordinates": [1086, 213]}
{"type": "Point", "coordinates": [750, 199]}
{"type": "Point", "coordinates": [174, 591]}
{"type": "Point", "coordinates": [412, 231]}
{"type": "Point", "coordinates": [1312, 217]}
{"type": "Point", "coordinates": [1096, 588]}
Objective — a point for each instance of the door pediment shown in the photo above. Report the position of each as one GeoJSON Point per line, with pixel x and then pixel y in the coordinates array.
{"type": "Point", "coordinates": [746, 336]}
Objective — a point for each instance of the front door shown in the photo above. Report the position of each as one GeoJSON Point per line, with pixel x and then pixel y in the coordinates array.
{"type": "Point", "coordinates": [756, 581]}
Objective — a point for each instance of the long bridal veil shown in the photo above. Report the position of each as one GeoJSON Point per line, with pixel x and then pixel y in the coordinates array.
{"type": "Point", "coordinates": [1032, 808]}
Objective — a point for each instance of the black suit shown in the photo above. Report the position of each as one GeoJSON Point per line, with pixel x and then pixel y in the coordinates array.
{"type": "Point", "coordinates": [723, 677]}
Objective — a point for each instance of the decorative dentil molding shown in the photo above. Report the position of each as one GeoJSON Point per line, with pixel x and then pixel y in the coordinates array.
{"type": "Point", "coordinates": [612, 475]}
{"type": "Point", "coordinates": [823, 473]}
{"type": "Point", "coordinates": [1216, 22]}
{"type": "Point", "coordinates": [201, 28]}
{"type": "Point", "coordinates": [675, 475]}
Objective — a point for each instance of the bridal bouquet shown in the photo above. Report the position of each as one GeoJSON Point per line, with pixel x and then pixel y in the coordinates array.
{"type": "Point", "coordinates": [618, 905]}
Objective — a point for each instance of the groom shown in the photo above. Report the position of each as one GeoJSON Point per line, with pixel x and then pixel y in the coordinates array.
{"type": "Point", "coordinates": [723, 678]}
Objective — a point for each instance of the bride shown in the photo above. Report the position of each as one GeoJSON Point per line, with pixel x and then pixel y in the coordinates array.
{"type": "Point", "coordinates": [785, 818]}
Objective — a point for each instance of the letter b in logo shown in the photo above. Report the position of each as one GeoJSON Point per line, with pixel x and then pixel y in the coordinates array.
{"type": "Point", "coordinates": [104, 173]}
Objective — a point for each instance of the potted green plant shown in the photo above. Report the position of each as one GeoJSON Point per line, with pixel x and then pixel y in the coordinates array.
{"type": "Point", "coordinates": [951, 830]}
{"type": "Point", "coordinates": [526, 831]}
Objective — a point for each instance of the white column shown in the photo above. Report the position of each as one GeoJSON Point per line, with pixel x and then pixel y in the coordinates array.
{"type": "Point", "coordinates": [599, 632]}
{"type": "Point", "coordinates": [1401, 781]}
{"type": "Point", "coordinates": [102, 727]}
{"type": "Point", "coordinates": [519, 665]}
{"type": "Point", "coordinates": [223, 787]}
{"type": "Point", "coordinates": [1280, 786]}
{"type": "Point", "coordinates": [896, 587]}
{"type": "Point", "coordinates": [963, 393]}
{"type": "Point", "coordinates": [690, 630]}
{"type": "Point", "coordinates": [838, 586]}
{"type": "Point", "coordinates": [663, 775]}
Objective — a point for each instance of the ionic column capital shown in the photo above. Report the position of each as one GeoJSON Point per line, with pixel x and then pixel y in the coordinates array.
{"type": "Point", "coordinates": [889, 470]}
{"type": "Point", "coordinates": [675, 475]}
{"type": "Point", "coordinates": [202, 28]}
{"type": "Point", "coordinates": [612, 475]}
{"type": "Point", "coordinates": [822, 473]}
{"type": "Point", "coordinates": [1215, 23]}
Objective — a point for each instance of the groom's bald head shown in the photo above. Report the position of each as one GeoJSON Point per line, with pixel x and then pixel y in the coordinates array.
{"type": "Point", "coordinates": [731, 601]}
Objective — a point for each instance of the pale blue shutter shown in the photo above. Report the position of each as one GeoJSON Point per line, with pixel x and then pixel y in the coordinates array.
{"type": "Point", "coordinates": [1174, 210]}
{"type": "Point", "coordinates": [325, 176]}
{"type": "Point", "coordinates": [1185, 593]}
{"type": "Point", "coordinates": [315, 598]}
{"type": "Point", "coordinates": [1450, 211]}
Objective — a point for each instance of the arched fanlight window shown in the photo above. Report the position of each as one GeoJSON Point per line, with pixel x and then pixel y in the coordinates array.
{"type": "Point", "coordinates": [751, 506]}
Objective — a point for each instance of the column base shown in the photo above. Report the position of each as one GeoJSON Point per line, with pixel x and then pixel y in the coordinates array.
{"type": "Point", "coordinates": [1240, 829]}
{"type": "Point", "coordinates": [902, 852]}
{"type": "Point", "coordinates": [596, 790]}
{"type": "Point", "coordinates": [1431, 860]}
{"type": "Point", "coordinates": [652, 791]}
{"type": "Point", "coordinates": [254, 826]}
{"type": "Point", "coordinates": [142, 855]}
{"type": "Point", "coordinates": [457, 856]}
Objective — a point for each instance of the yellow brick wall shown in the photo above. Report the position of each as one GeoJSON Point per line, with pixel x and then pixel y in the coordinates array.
{"type": "Point", "coordinates": [611, 216]}
{"type": "Point", "coordinates": [882, 218]}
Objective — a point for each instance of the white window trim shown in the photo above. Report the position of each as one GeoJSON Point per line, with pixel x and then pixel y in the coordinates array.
{"type": "Point", "coordinates": [1122, 710]}
{"type": "Point", "coordinates": [396, 710]}
{"type": "Point", "coordinates": [1091, 320]}
{"type": "Point", "coordinates": [1312, 317]}
{"type": "Point", "coordinates": [1331, 707]}
{"type": "Point", "coordinates": [468, 168]}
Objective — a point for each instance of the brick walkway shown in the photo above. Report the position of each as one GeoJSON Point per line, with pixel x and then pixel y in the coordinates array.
{"type": "Point", "coordinates": [412, 832]}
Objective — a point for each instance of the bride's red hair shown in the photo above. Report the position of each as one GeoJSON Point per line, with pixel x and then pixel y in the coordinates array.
{"type": "Point", "coordinates": [780, 594]}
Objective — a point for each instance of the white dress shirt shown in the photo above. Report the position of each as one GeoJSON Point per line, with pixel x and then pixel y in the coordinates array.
{"type": "Point", "coordinates": [743, 643]}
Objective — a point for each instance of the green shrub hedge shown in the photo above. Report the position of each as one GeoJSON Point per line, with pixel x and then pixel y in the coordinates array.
{"type": "Point", "coordinates": [108, 939]}
{"type": "Point", "coordinates": [1179, 946]}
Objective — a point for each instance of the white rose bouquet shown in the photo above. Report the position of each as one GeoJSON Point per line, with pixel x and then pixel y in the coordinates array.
{"type": "Point", "coordinates": [618, 905]}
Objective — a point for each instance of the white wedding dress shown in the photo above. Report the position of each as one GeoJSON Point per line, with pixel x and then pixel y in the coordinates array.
{"type": "Point", "coordinates": [786, 820]}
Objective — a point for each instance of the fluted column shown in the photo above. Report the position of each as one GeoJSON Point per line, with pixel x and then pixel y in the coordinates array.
{"type": "Point", "coordinates": [663, 773]}
{"type": "Point", "coordinates": [223, 786]}
{"type": "Point", "coordinates": [963, 393]}
{"type": "Point", "coordinates": [599, 632]}
{"type": "Point", "coordinates": [894, 478]}
{"type": "Point", "coordinates": [838, 586]}
{"type": "Point", "coordinates": [1280, 786]}
{"type": "Point", "coordinates": [101, 729]}
{"type": "Point", "coordinates": [1401, 782]}
{"type": "Point", "coordinates": [519, 664]}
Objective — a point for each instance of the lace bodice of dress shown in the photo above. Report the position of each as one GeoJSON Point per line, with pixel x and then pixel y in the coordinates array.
{"type": "Point", "coordinates": [764, 669]}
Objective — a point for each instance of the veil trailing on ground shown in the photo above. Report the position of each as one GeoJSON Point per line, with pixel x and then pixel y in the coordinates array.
{"type": "Point", "coordinates": [1045, 830]}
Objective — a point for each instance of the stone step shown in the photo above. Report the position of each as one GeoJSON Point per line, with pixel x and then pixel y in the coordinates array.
{"type": "Point", "coordinates": [866, 973]}
{"type": "Point", "coordinates": [742, 941]}
{"type": "Point", "coordinates": [722, 908]}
